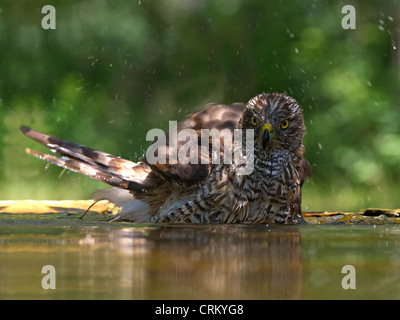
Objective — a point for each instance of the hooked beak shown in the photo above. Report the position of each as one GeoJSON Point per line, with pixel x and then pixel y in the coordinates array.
{"type": "Point", "coordinates": [266, 134]}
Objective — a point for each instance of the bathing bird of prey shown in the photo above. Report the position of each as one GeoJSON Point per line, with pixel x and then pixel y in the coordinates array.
{"type": "Point", "coordinates": [205, 191]}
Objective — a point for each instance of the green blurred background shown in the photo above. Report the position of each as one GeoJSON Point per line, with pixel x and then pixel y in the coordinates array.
{"type": "Point", "coordinates": [112, 70]}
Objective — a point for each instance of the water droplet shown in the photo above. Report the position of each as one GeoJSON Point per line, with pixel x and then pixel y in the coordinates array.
{"type": "Point", "coordinates": [296, 50]}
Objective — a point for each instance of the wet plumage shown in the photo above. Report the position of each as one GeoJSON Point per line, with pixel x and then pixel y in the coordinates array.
{"type": "Point", "coordinates": [206, 192]}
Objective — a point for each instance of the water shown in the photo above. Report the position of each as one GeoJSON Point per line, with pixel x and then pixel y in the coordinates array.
{"type": "Point", "coordinates": [102, 260]}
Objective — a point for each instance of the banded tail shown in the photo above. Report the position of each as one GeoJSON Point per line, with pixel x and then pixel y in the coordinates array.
{"type": "Point", "coordinates": [95, 164]}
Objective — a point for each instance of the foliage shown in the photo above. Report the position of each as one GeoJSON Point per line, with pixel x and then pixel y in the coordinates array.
{"type": "Point", "coordinates": [113, 70]}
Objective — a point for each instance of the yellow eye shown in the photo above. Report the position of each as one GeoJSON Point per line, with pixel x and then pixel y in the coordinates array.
{"type": "Point", "coordinates": [254, 121]}
{"type": "Point", "coordinates": [285, 124]}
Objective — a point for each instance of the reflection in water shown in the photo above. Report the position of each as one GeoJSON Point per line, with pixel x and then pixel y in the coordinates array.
{"type": "Point", "coordinates": [113, 261]}
{"type": "Point", "coordinates": [225, 261]}
{"type": "Point", "coordinates": [168, 262]}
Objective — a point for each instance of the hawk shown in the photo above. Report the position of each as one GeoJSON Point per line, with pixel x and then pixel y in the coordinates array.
{"type": "Point", "coordinates": [205, 191]}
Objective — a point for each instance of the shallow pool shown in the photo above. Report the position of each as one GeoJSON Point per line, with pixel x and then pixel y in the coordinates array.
{"type": "Point", "coordinates": [94, 259]}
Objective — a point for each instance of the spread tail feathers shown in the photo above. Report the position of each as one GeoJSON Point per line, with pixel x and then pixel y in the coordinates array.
{"type": "Point", "coordinates": [94, 164]}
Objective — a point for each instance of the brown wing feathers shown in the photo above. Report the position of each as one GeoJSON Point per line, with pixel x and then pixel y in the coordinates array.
{"type": "Point", "coordinates": [130, 175]}
{"type": "Point", "coordinates": [213, 116]}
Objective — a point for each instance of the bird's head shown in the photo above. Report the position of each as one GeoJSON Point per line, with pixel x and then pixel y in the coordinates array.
{"type": "Point", "coordinates": [277, 121]}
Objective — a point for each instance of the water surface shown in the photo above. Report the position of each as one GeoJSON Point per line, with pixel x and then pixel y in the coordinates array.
{"type": "Point", "coordinates": [103, 260]}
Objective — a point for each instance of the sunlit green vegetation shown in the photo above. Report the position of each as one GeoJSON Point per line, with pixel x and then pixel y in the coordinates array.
{"type": "Point", "coordinates": [113, 70]}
